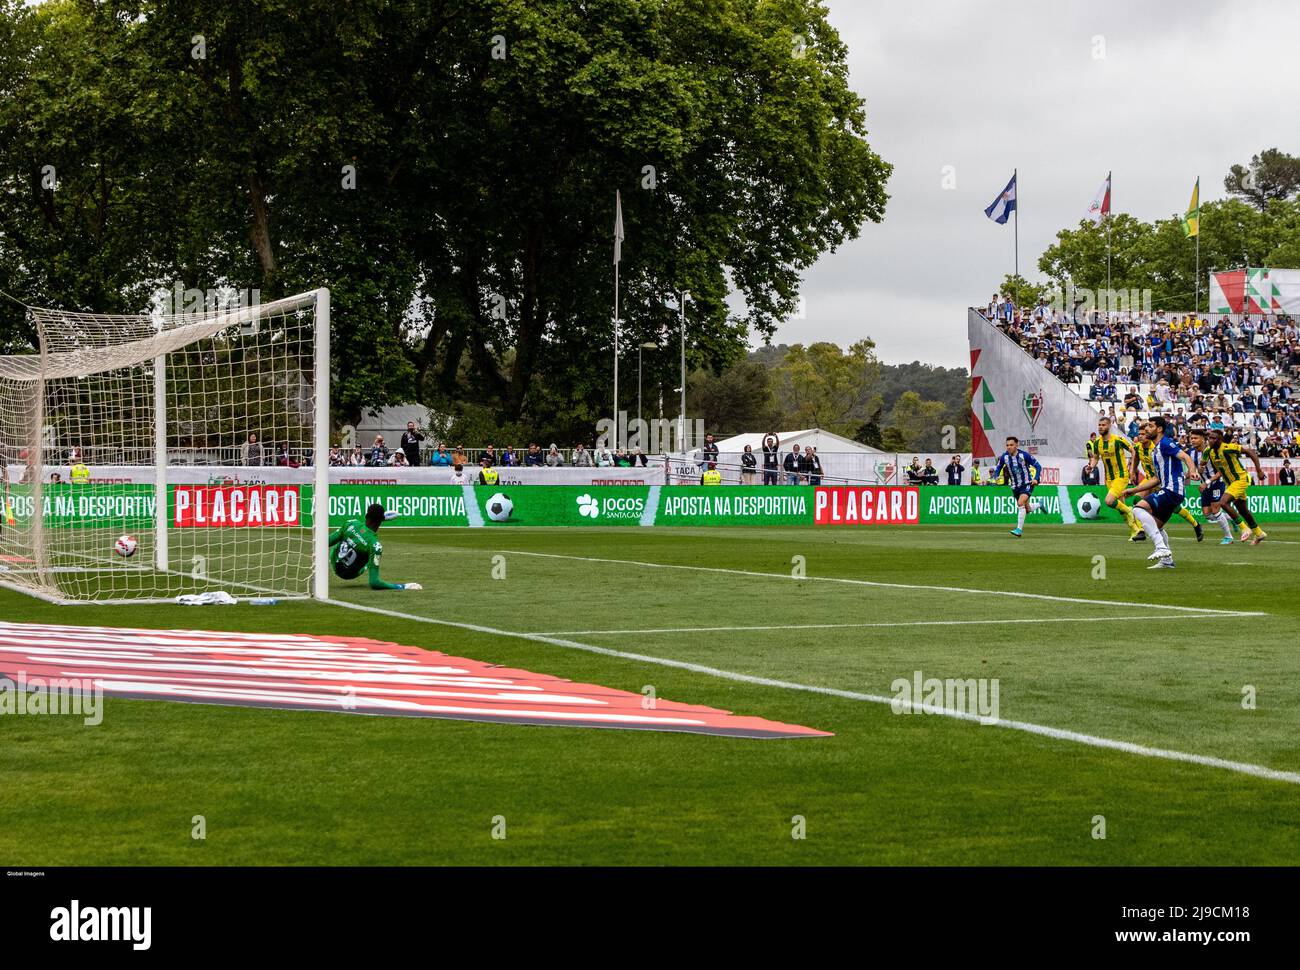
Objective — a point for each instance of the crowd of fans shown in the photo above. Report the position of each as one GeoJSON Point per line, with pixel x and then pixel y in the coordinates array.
{"type": "Point", "coordinates": [1235, 374]}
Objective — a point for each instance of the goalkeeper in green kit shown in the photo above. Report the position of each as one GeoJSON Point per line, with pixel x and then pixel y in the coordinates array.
{"type": "Point", "coordinates": [356, 547]}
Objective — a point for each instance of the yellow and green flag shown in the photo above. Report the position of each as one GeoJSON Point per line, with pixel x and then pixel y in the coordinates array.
{"type": "Point", "coordinates": [1192, 221]}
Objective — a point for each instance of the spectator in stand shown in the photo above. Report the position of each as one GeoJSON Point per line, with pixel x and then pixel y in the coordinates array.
{"type": "Point", "coordinates": [604, 458]}
{"type": "Point", "coordinates": [1091, 472]}
{"type": "Point", "coordinates": [955, 470]}
{"type": "Point", "coordinates": [358, 458]}
{"type": "Point", "coordinates": [440, 458]}
{"type": "Point", "coordinates": [791, 466]}
{"type": "Point", "coordinates": [410, 444]}
{"type": "Point", "coordinates": [398, 460]}
{"type": "Point", "coordinates": [460, 456]}
{"type": "Point", "coordinates": [252, 451]}
{"type": "Point", "coordinates": [814, 473]}
{"type": "Point", "coordinates": [639, 459]}
{"type": "Point", "coordinates": [929, 474]}
{"type": "Point", "coordinates": [284, 459]}
{"type": "Point", "coordinates": [508, 459]}
{"type": "Point", "coordinates": [622, 459]}
{"type": "Point", "coordinates": [553, 457]}
{"type": "Point", "coordinates": [1286, 474]}
{"type": "Point", "coordinates": [748, 466]}
{"type": "Point", "coordinates": [379, 452]}
{"type": "Point", "coordinates": [915, 472]}
{"type": "Point", "coordinates": [489, 454]}
{"type": "Point", "coordinates": [534, 458]}
{"type": "Point", "coordinates": [336, 458]}
{"type": "Point", "coordinates": [581, 456]}
{"type": "Point", "coordinates": [771, 460]}
{"type": "Point", "coordinates": [458, 476]}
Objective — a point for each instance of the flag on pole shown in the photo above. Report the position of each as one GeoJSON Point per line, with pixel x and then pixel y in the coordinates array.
{"type": "Point", "coordinates": [618, 227]}
{"type": "Point", "coordinates": [1100, 207]}
{"type": "Point", "coordinates": [1192, 221]}
{"type": "Point", "coordinates": [1000, 209]}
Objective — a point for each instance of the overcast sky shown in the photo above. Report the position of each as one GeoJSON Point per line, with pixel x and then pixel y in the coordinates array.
{"type": "Point", "coordinates": [1157, 91]}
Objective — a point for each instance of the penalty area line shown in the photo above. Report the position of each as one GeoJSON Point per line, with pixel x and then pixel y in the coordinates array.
{"type": "Point", "coordinates": [1198, 610]}
{"type": "Point", "coordinates": [1042, 730]}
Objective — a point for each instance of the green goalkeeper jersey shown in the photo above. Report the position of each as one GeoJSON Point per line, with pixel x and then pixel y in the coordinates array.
{"type": "Point", "coordinates": [357, 548]}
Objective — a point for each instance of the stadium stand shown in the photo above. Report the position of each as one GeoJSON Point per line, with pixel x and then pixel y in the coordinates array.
{"type": "Point", "coordinates": [1237, 372]}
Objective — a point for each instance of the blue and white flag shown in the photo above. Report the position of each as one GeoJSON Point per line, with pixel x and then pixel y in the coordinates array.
{"type": "Point", "coordinates": [1001, 208]}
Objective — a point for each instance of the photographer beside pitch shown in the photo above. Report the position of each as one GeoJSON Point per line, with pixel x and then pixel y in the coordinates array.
{"type": "Point", "coordinates": [358, 548]}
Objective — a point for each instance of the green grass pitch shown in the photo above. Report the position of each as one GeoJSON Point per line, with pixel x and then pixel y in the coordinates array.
{"type": "Point", "coordinates": [280, 787]}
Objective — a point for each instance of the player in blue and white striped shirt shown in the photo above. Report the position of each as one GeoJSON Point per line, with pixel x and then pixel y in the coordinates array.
{"type": "Point", "coordinates": [1022, 470]}
{"type": "Point", "coordinates": [1173, 466]}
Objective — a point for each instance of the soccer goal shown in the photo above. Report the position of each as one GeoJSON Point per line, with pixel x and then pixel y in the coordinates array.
{"type": "Point", "coordinates": [199, 440]}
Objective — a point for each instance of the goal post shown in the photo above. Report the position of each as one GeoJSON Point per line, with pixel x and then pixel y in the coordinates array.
{"type": "Point", "coordinates": [201, 439]}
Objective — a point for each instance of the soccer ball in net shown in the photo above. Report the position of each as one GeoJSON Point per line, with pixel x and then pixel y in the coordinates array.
{"type": "Point", "coordinates": [499, 507]}
{"type": "Point", "coordinates": [1088, 505]}
{"type": "Point", "coordinates": [125, 546]}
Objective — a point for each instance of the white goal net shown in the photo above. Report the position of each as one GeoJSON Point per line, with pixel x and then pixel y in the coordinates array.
{"type": "Point", "coordinates": [148, 456]}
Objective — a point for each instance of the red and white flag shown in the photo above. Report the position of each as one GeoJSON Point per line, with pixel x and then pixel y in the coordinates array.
{"type": "Point", "coordinates": [1100, 207]}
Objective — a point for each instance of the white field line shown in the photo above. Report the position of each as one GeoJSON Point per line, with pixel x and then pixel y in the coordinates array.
{"type": "Point", "coordinates": [1059, 734]}
{"type": "Point", "coordinates": [1199, 610]}
{"type": "Point", "coordinates": [856, 626]}
{"type": "Point", "coordinates": [934, 530]}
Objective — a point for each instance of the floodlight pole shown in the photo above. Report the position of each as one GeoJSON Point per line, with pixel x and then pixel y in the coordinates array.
{"type": "Point", "coordinates": [681, 415]}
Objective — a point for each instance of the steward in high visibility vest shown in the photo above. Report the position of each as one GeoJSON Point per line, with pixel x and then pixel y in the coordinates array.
{"type": "Point", "coordinates": [975, 478]}
{"type": "Point", "coordinates": [487, 475]}
{"type": "Point", "coordinates": [80, 474]}
{"type": "Point", "coordinates": [712, 476]}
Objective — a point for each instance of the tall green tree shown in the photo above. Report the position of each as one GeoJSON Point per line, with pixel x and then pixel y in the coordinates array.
{"type": "Point", "coordinates": [446, 167]}
{"type": "Point", "coordinates": [823, 386]}
{"type": "Point", "coordinates": [1272, 175]}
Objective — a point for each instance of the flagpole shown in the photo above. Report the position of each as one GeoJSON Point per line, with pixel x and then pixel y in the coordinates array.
{"type": "Point", "coordinates": [1196, 309]}
{"type": "Point", "coordinates": [616, 349]}
{"type": "Point", "coordinates": [1015, 177]}
{"type": "Point", "coordinates": [1110, 191]}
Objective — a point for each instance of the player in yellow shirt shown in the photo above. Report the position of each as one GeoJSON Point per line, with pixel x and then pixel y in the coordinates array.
{"type": "Point", "coordinates": [1145, 468]}
{"type": "Point", "coordinates": [1115, 456]}
{"type": "Point", "coordinates": [1225, 458]}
